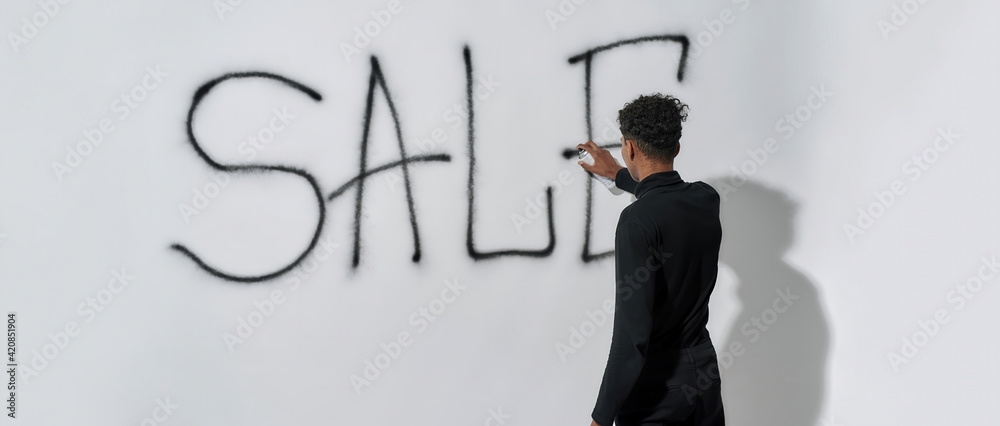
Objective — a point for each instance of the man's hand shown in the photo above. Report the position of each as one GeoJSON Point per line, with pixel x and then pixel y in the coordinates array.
{"type": "Point", "coordinates": [604, 164]}
{"type": "Point", "coordinates": [593, 423]}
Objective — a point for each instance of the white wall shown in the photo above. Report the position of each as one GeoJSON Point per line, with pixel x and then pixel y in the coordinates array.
{"type": "Point", "coordinates": [161, 338]}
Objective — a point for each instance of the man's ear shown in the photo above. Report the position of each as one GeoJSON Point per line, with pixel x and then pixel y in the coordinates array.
{"type": "Point", "coordinates": [631, 149]}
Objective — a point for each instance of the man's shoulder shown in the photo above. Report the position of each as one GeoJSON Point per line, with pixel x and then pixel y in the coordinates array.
{"type": "Point", "coordinates": [653, 208]}
{"type": "Point", "coordinates": [689, 190]}
{"type": "Point", "coordinates": [636, 219]}
{"type": "Point", "coordinates": [705, 187]}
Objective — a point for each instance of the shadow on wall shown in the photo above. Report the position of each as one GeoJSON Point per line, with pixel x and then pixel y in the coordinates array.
{"type": "Point", "coordinates": [779, 377]}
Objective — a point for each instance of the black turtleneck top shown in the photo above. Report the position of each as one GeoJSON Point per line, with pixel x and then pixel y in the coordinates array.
{"type": "Point", "coordinates": [666, 262]}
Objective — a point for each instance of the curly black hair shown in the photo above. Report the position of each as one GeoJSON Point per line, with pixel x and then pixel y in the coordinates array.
{"type": "Point", "coordinates": [653, 122]}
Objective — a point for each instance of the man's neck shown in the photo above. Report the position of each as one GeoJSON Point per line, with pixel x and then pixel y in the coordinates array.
{"type": "Point", "coordinates": [651, 168]}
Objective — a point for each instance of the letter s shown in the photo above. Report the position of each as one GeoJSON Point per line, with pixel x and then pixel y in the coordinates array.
{"type": "Point", "coordinates": [199, 95]}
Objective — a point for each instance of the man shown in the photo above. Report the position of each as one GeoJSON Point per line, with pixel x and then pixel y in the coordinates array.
{"type": "Point", "coordinates": [662, 368]}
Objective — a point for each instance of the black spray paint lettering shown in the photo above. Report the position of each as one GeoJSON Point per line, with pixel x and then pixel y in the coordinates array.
{"type": "Point", "coordinates": [470, 242]}
{"type": "Point", "coordinates": [483, 90]}
{"type": "Point", "coordinates": [588, 61]}
{"type": "Point", "coordinates": [199, 95]}
{"type": "Point", "coordinates": [377, 81]}
{"type": "Point", "coordinates": [377, 77]}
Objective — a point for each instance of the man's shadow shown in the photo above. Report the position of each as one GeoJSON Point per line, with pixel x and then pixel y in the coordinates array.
{"type": "Point", "coordinates": [778, 378]}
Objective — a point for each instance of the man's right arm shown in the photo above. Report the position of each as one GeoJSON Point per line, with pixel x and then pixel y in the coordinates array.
{"type": "Point", "coordinates": [624, 180]}
{"type": "Point", "coordinates": [606, 165]}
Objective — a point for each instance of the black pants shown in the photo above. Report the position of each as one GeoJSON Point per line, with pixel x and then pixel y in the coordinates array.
{"type": "Point", "coordinates": [679, 387]}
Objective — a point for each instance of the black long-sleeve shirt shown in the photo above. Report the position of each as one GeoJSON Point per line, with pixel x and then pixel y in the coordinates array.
{"type": "Point", "coordinates": [666, 262]}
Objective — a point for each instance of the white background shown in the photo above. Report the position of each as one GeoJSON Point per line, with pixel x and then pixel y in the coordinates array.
{"type": "Point", "coordinates": [825, 361]}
